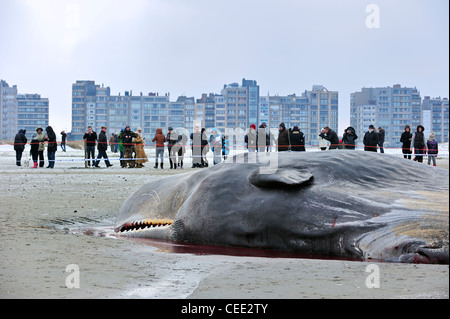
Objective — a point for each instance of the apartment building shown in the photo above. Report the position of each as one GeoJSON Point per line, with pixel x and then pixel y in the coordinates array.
{"type": "Point", "coordinates": [435, 117]}
{"type": "Point", "coordinates": [21, 111]}
{"type": "Point", "coordinates": [310, 111]}
{"type": "Point", "coordinates": [388, 107]}
{"type": "Point", "coordinates": [232, 111]}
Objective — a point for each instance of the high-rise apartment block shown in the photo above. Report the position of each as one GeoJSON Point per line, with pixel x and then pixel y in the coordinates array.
{"type": "Point", "coordinates": [394, 107]}
{"type": "Point", "coordinates": [252, 101]}
{"type": "Point", "coordinates": [93, 105]}
{"type": "Point", "coordinates": [8, 108]}
{"type": "Point", "coordinates": [32, 112]}
{"type": "Point", "coordinates": [311, 111]}
{"type": "Point", "coordinates": [232, 111]}
{"type": "Point", "coordinates": [236, 104]}
{"type": "Point", "coordinates": [21, 111]}
{"type": "Point", "coordinates": [388, 107]}
{"type": "Point", "coordinates": [435, 117]}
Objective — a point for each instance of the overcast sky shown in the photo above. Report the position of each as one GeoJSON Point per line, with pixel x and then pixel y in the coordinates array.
{"type": "Point", "coordinates": [189, 47]}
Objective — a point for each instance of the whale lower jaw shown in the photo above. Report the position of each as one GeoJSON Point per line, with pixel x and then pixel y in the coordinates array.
{"type": "Point", "coordinates": [150, 228]}
{"type": "Point", "coordinates": [426, 255]}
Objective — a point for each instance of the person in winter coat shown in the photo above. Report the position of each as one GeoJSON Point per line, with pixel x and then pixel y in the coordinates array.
{"type": "Point", "coordinates": [264, 138]}
{"type": "Point", "coordinates": [34, 144]}
{"type": "Point", "coordinates": [349, 138]}
{"type": "Point", "coordinates": [215, 144]}
{"type": "Point", "coordinates": [159, 138]}
{"type": "Point", "coordinates": [432, 146]}
{"type": "Point", "coordinates": [371, 140]}
{"type": "Point", "coordinates": [323, 143]}
{"type": "Point", "coordinates": [205, 148]}
{"type": "Point", "coordinates": [172, 139]}
{"type": "Point", "coordinates": [381, 136]}
{"type": "Point", "coordinates": [128, 147]}
{"type": "Point", "coordinates": [250, 139]}
{"type": "Point", "coordinates": [225, 147]}
{"type": "Point", "coordinates": [199, 148]}
{"type": "Point", "coordinates": [123, 163]}
{"type": "Point", "coordinates": [196, 140]}
{"type": "Point", "coordinates": [406, 139]}
{"type": "Point", "coordinates": [141, 157]}
{"type": "Point", "coordinates": [90, 139]}
{"type": "Point", "coordinates": [212, 137]}
{"type": "Point", "coordinates": [102, 147]}
{"type": "Point", "coordinates": [112, 143]}
{"type": "Point", "coordinates": [180, 149]}
{"type": "Point", "coordinates": [40, 139]}
{"type": "Point", "coordinates": [297, 139]}
{"type": "Point", "coordinates": [283, 139]}
{"type": "Point", "coordinates": [52, 146]}
{"type": "Point", "coordinates": [116, 143]}
{"type": "Point", "coordinates": [19, 146]}
{"type": "Point", "coordinates": [419, 144]}
{"type": "Point", "coordinates": [331, 136]}
{"type": "Point", "coordinates": [217, 149]}
{"type": "Point", "coordinates": [63, 140]}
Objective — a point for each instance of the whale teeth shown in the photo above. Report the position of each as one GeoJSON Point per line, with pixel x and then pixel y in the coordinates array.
{"type": "Point", "coordinates": [144, 224]}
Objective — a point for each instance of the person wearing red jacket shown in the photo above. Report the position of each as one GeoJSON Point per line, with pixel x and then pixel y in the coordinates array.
{"type": "Point", "coordinates": [159, 139]}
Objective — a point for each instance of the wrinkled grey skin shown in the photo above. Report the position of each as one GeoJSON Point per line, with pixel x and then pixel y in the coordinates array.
{"type": "Point", "coordinates": [342, 203]}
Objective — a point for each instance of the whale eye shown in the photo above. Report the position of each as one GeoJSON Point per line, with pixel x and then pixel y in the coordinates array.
{"type": "Point", "coordinates": [282, 178]}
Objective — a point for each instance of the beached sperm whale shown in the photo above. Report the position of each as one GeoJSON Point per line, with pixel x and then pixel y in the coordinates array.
{"type": "Point", "coordinates": [341, 203]}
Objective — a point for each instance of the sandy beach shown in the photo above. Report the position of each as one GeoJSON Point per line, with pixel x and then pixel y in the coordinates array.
{"type": "Point", "coordinates": [53, 219]}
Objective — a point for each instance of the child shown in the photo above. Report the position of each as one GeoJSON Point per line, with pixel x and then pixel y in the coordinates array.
{"type": "Point", "coordinates": [432, 146]}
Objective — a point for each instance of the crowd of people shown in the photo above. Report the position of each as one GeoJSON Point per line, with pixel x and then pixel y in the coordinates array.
{"type": "Point", "coordinates": [37, 146]}
{"type": "Point", "coordinates": [420, 145]}
{"type": "Point", "coordinates": [131, 144]}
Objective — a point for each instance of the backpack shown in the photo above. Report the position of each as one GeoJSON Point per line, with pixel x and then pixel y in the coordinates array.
{"type": "Point", "coordinates": [432, 147]}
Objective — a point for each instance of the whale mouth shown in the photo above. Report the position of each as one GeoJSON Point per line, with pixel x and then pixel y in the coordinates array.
{"type": "Point", "coordinates": [143, 225]}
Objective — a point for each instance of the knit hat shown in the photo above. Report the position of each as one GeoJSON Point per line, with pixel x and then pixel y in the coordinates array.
{"type": "Point", "coordinates": [253, 126]}
{"type": "Point", "coordinates": [431, 137]}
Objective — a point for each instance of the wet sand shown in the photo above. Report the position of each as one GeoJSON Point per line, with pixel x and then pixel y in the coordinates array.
{"type": "Point", "coordinates": [44, 216]}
